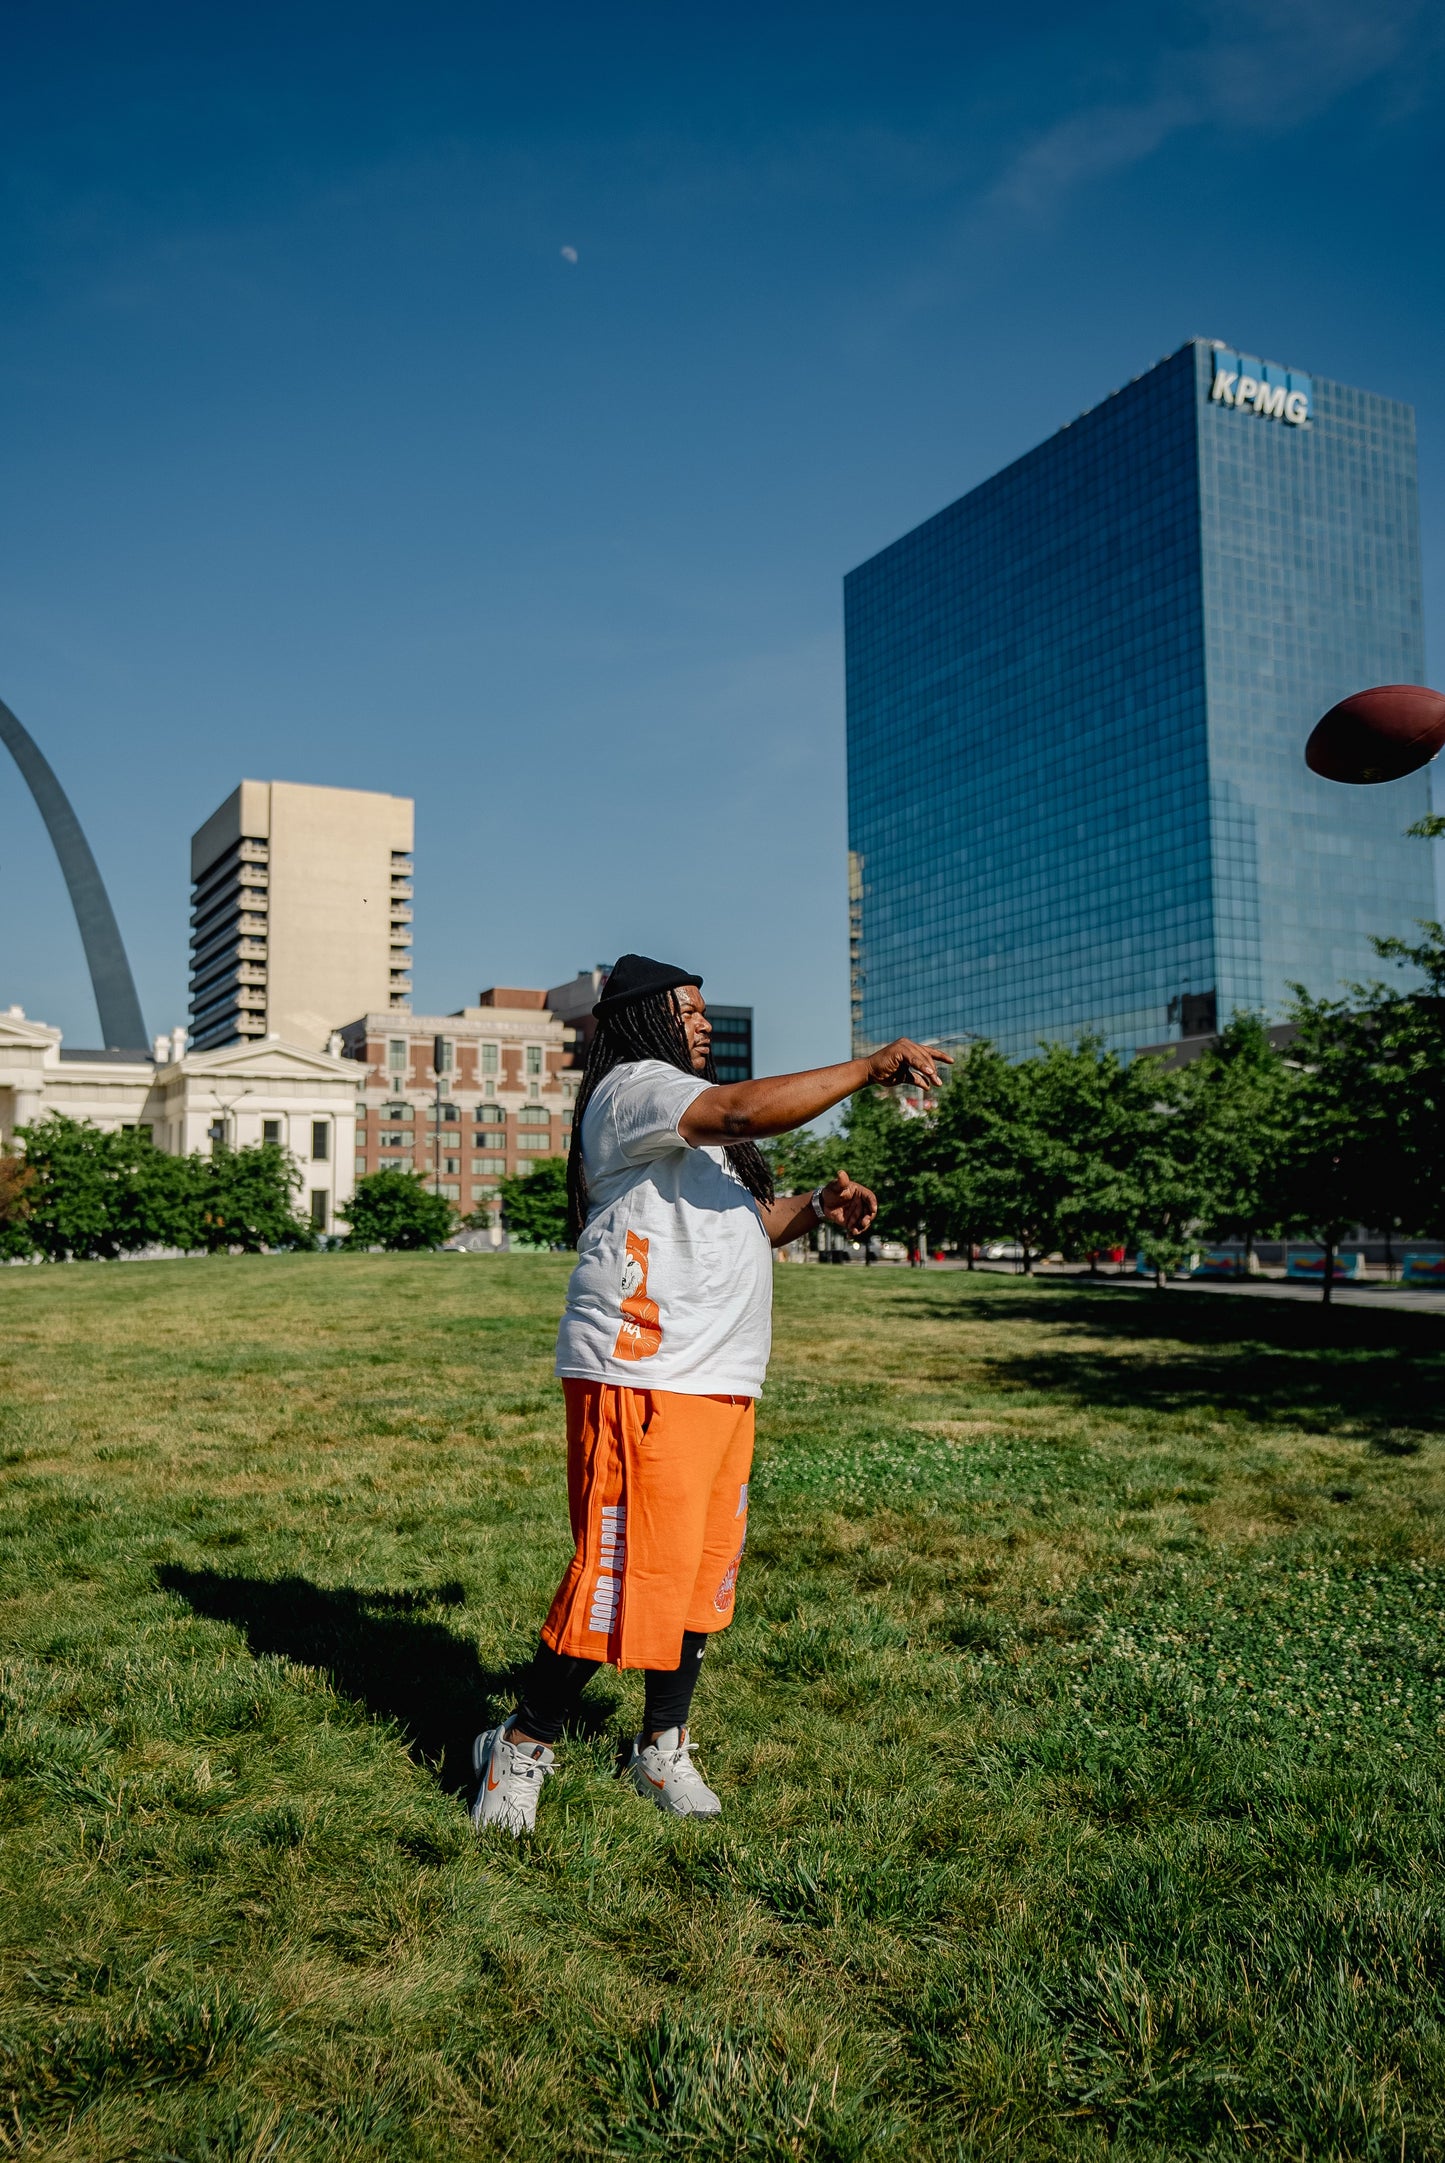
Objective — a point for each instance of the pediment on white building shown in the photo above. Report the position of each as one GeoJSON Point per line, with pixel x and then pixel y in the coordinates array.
{"type": "Point", "coordinates": [267, 1059]}
{"type": "Point", "coordinates": [17, 1034]}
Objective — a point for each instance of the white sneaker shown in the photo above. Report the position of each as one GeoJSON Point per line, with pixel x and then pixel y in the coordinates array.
{"type": "Point", "coordinates": [510, 1776]}
{"type": "Point", "coordinates": [664, 1771]}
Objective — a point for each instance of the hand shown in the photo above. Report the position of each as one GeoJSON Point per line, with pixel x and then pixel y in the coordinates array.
{"type": "Point", "coordinates": [851, 1208]}
{"type": "Point", "coordinates": [903, 1062]}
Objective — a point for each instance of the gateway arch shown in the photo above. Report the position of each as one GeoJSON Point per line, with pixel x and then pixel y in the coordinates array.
{"type": "Point", "coordinates": [120, 1016]}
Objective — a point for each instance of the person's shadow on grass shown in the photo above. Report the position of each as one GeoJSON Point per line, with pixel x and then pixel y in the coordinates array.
{"type": "Point", "coordinates": [386, 1650]}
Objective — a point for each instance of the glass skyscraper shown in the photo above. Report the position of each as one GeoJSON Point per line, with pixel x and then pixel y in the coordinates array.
{"type": "Point", "coordinates": [1078, 701]}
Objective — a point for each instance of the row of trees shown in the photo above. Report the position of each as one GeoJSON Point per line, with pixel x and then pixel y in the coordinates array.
{"type": "Point", "coordinates": [1073, 1150]}
{"type": "Point", "coordinates": [395, 1210]}
{"type": "Point", "coordinates": [1076, 1151]}
{"type": "Point", "coordinates": [75, 1192]}
{"type": "Point", "coordinates": [78, 1192]}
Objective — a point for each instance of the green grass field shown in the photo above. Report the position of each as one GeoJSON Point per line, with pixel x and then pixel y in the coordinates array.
{"type": "Point", "coordinates": [1080, 1733]}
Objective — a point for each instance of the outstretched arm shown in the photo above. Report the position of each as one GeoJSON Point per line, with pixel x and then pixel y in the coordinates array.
{"type": "Point", "coordinates": [751, 1111]}
{"type": "Point", "coordinates": [851, 1207]}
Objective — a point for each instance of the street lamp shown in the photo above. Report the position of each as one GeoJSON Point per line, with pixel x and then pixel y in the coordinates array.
{"type": "Point", "coordinates": [439, 1066]}
{"type": "Point", "coordinates": [227, 1111]}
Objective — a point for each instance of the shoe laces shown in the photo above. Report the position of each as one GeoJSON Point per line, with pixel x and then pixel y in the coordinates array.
{"type": "Point", "coordinates": [679, 1759]}
{"type": "Point", "coordinates": [525, 1764]}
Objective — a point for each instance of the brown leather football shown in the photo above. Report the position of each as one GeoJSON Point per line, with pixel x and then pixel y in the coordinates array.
{"type": "Point", "coordinates": [1378, 735]}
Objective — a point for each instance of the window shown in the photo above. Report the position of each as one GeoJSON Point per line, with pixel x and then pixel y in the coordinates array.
{"type": "Point", "coordinates": [398, 1141]}
{"type": "Point", "coordinates": [490, 1115]}
{"type": "Point", "coordinates": [534, 1058]}
{"type": "Point", "coordinates": [451, 1164]}
{"type": "Point", "coordinates": [488, 1164]}
{"type": "Point", "coordinates": [396, 1055]}
{"type": "Point", "coordinates": [443, 1055]}
{"type": "Point", "coordinates": [217, 1134]}
{"type": "Point", "coordinates": [491, 1089]}
{"type": "Point", "coordinates": [271, 1131]}
{"type": "Point", "coordinates": [534, 1089]}
{"type": "Point", "coordinates": [532, 1115]}
{"type": "Point", "coordinates": [534, 1143]}
{"type": "Point", "coordinates": [489, 1058]}
{"type": "Point", "coordinates": [447, 1189]}
{"type": "Point", "coordinates": [320, 1140]}
{"type": "Point", "coordinates": [394, 1112]}
{"type": "Point", "coordinates": [443, 1115]}
{"type": "Point", "coordinates": [319, 1200]}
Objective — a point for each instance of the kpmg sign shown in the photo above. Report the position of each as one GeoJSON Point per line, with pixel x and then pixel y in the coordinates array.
{"type": "Point", "coordinates": [1252, 386]}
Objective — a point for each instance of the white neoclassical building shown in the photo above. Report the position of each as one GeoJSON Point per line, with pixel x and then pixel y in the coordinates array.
{"type": "Point", "coordinates": [261, 1090]}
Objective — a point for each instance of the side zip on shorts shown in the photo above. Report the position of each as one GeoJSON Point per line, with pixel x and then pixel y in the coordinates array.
{"type": "Point", "coordinates": [657, 1486]}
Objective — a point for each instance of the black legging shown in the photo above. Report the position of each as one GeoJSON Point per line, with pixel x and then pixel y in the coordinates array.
{"type": "Point", "coordinates": [557, 1680]}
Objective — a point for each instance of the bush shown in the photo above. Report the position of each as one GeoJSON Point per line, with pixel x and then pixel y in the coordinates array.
{"type": "Point", "coordinates": [394, 1209]}
{"type": "Point", "coordinates": [534, 1207]}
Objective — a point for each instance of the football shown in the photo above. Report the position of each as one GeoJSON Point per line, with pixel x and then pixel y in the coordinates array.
{"type": "Point", "coordinates": [1378, 735]}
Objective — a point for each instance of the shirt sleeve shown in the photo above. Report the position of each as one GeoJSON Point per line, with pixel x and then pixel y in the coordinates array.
{"type": "Point", "coordinates": [647, 1104]}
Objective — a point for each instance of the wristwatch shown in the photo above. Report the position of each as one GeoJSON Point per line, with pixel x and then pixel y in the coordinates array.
{"type": "Point", "coordinates": [816, 1198]}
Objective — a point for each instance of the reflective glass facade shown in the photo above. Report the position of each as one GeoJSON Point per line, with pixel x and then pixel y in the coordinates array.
{"type": "Point", "coordinates": [1078, 701]}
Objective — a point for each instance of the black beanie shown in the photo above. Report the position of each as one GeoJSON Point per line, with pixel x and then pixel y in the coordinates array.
{"type": "Point", "coordinates": [636, 976]}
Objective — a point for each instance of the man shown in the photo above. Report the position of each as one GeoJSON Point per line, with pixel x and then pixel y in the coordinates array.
{"type": "Point", "coordinates": [661, 1352]}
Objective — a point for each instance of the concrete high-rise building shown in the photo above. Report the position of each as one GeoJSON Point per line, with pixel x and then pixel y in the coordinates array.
{"type": "Point", "coordinates": [1078, 701]}
{"type": "Point", "coordinates": [300, 913]}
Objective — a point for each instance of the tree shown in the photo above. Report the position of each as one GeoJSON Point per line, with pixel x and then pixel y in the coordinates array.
{"type": "Point", "coordinates": [1237, 1098]}
{"type": "Point", "coordinates": [1338, 1117]}
{"type": "Point", "coordinates": [1410, 1038]}
{"type": "Point", "coordinates": [801, 1161]}
{"type": "Point", "coordinates": [534, 1206]}
{"type": "Point", "coordinates": [92, 1196]}
{"type": "Point", "coordinates": [1062, 1155]}
{"type": "Point", "coordinates": [881, 1147]}
{"type": "Point", "coordinates": [885, 1147]}
{"type": "Point", "coordinates": [957, 1183]}
{"type": "Point", "coordinates": [396, 1210]}
{"type": "Point", "coordinates": [1164, 1178]}
{"type": "Point", "coordinates": [94, 1193]}
{"type": "Point", "coordinates": [244, 1198]}
{"type": "Point", "coordinates": [17, 1181]}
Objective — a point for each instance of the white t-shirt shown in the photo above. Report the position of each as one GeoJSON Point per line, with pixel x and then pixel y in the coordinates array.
{"type": "Point", "coordinates": [673, 1287]}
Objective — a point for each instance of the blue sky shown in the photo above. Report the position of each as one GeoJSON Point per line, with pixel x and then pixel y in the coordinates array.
{"type": "Point", "coordinates": [322, 461]}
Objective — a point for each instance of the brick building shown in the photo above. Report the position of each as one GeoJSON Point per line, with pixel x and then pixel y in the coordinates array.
{"type": "Point", "coordinates": [506, 1090]}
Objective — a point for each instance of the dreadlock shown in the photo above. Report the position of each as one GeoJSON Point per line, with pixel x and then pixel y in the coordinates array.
{"type": "Point", "coordinates": [648, 1028]}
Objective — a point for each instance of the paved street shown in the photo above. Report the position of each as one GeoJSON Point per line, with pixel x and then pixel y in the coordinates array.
{"type": "Point", "coordinates": [1411, 1300]}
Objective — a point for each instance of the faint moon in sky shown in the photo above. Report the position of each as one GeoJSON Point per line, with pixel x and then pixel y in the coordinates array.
{"type": "Point", "coordinates": [569, 255]}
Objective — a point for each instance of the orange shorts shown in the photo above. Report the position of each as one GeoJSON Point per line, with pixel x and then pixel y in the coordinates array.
{"type": "Point", "coordinates": [657, 1485]}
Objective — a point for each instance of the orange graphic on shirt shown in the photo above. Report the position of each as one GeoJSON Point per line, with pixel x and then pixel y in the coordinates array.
{"type": "Point", "coordinates": [641, 1332]}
